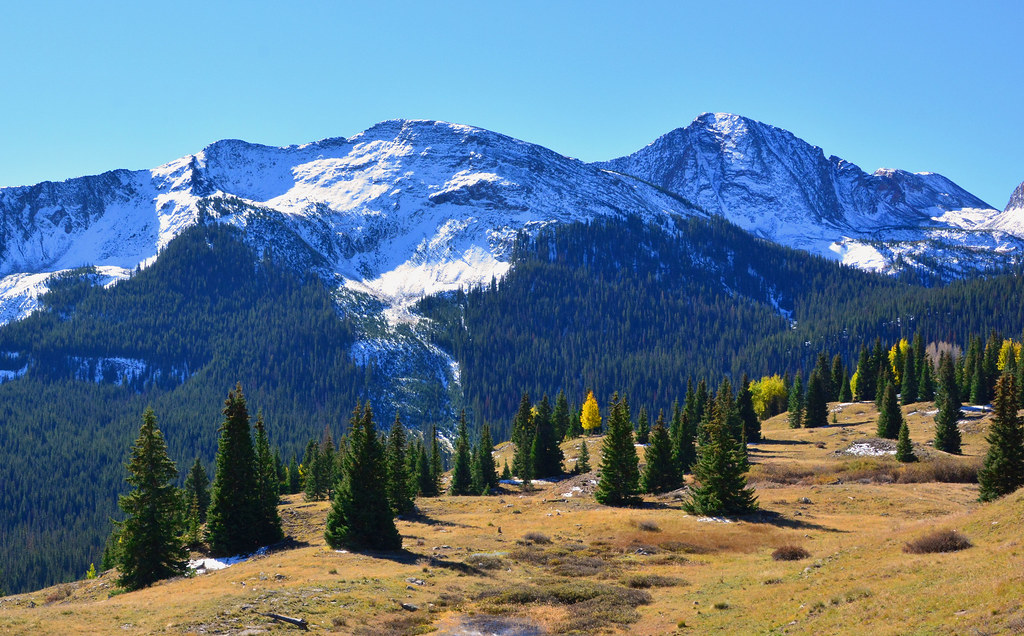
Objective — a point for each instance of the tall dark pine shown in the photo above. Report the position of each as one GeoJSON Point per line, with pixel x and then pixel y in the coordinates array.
{"type": "Point", "coordinates": [721, 486]}
{"type": "Point", "coordinates": [745, 408]}
{"type": "Point", "coordinates": [796, 403]}
{"type": "Point", "coordinates": [1003, 471]}
{"type": "Point", "coordinates": [619, 484]}
{"type": "Point", "coordinates": [643, 427]}
{"type": "Point", "coordinates": [947, 401]}
{"type": "Point", "coordinates": [399, 488]}
{"type": "Point", "coordinates": [522, 438]}
{"type": "Point", "coordinates": [231, 526]}
{"type": "Point", "coordinates": [682, 434]}
{"type": "Point", "coordinates": [890, 417]}
{"type": "Point", "coordinates": [865, 380]}
{"type": "Point", "coordinates": [561, 417]}
{"type": "Point", "coordinates": [197, 488]}
{"type": "Point", "coordinates": [268, 523]}
{"type": "Point", "coordinates": [436, 460]}
{"type": "Point", "coordinates": [294, 479]}
{"type": "Point", "coordinates": [360, 517]}
{"type": "Point", "coordinates": [462, 474]}
{"type": "Point", "coordinates": [660, 474]}
{"type": "Point", "coordinates": [150, 545]}
{"type": "Point", "coordinates": [485, 472]}
{"type": "Point", "coordinates": [909, 380]}
{"type": "Point", "coordinates": [838, 377]}
{"type": "Point", "coordinates": [817, 404]}
{"type": "Point", "coordinates": [546, 453]}
{"type": "Point", "coordinates": [904, 448]}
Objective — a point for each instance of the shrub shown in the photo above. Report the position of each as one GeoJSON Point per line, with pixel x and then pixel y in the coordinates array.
{"type": "Point", "coordinates": [644, 581]}
{"type": "Point", "coordinates": [648, 526]}
{"type": "Point", "coordinates": [536, 537]}
{"type": "Point", "coordinates": [939, 541]}
{"type": "Point", "coordinates": [485, 561]}
{"type": "Point", "coordinates": [790, 553]}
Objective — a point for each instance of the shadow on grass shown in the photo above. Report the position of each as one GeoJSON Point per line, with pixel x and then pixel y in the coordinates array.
{"type": "Point", "coordinates": [406, 557]}
{"type": "Point", "coordinates": [778, 442]}
{"type": "Point", "coordinates": [772, 518]}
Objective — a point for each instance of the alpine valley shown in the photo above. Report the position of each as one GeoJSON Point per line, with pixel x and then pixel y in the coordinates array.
{"type": "Point", "coordinates": [429, 267]}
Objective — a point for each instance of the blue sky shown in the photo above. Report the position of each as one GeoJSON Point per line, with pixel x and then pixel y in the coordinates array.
{"type": "Point", "coordinates": [915, 85]}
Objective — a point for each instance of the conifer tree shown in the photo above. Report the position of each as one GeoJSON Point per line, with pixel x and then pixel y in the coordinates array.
{"type": "Point", "coordinates": [816, 414]}
{"type": "Point", "coordinates": [904, 449]}
{"type": "Point", "coordinates": [361, 515]}
{"type": "Point", "coordinates": [561, 417]}
{"type": "Point", "coordinates": [947, 401]}
{"type": "Point", "coordinates": [683, 440]}
{"type": "Point", "coordinates": [582, 460]}
{"type": "Point", "coordinates": [197, 487]}
{"type": "Point", "coordinates": [231, 523]}
{"type": "Point", "coordinates": [462, 473]}
{"type": "Point", "coordinates": [436, 461]}
{"type": "Point", "coordinates": [590, 415]}
{"type": "Point", "coordinates": [619, 484]}
{"type": "Point", "coordinates": [796, 403]}
{"type": "Point", "coordinates": [660, 474]}
{"type": "Point", "coordinates": [326, 465]}
{"type": "Point", "coordinates": [925, 380]}
{"type": "Point", "coordinates": [864, 379]}
{"type": "Point", "coordinates": [745, 408]}
{"type": "Point", "coordinates": [485, 476]}
{"type": "Point", "coordinates": [268, 521]}
{"type": "Point", "coordinates": [643, 427]}
{"type": "Point", "coordinates": [1003, 471]}
{"type": "Point", "coordinates": [846, 392]}
{"type": "Point", "coordinates": [506, 474]}
{"type": "Point", "coordinates": [908, 380]}
{"type": "Point", "coordinates": [837, 378]}
{"type": "Point", "coordinates": [427, 485]}
{"type": "Point", "coordinates": [150, 545]}
{"type": "Point", "coordinates": [400, 494]}
{"type": "Point", "coordinates": [522, 437]}
{"type": "Point", "coordinates": [309, 484]}
{"type": "Point", "coordinates": [546, 453]}
{"type": "Point", "coordinates": [721, 486]}
{"type": "Point", "coordinates": [294, 483]}
{"type": "Point", "coordinates": [890, 417]}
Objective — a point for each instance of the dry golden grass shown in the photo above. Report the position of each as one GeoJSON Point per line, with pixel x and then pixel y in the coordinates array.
{"type": "Point", "coordinates": [650, 570]}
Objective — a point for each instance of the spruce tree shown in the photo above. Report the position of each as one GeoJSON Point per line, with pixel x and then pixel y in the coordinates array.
{"type": "Point", "coordinates": [506, 474]}
{"type": "Point", "coordinates": [522, 437]}
{"type": "Point", "coordinates": [231, 526]}
{"type": "Point", "coordinates": [682, 435]}
{"type": "Point", "coordinates": [745, 408]}
{"type": "Point", "coordinates": [890, 417]}
{"type": "Point", "coordinates": [721, 486]}
{"type": "Point", "coordinates": [268, 522]}
{"type": "Point", "coordinates": [883, 378]}
{"type": "Point", "coordinates": [904, 449]}
{"type": "Point", "coordinates": [909, 380]}
{"type": "Point", "coordinates": [838, 376]}
{"type": "Point", "coordinates": [310, 486]}
{"type": "Point", "coordinates": [947, 401]}
{"type": "Point", "coordinates": [846, 392]}
{"type": "Point", "coordinates": [150, 545]}
{"type": "Point", "coordinates": [816, 404]}
{"type": "Point", "coordinates": [426, 484]}
{"type": "Point", "coordinates": [660, 474]}
{"type": "Point", "coordinates": [546, 453]}
{"type": "Point", "coordinates": [462, 473]}
{"type": "Point", "coordinates": [1003, 471]}
{"type": "Point", "coordinates": [865, 381]}
{"type": "Point", "coordinates": [197, 487]}
{"type": "Point", "coordinates": [326, 465]}
{"type": "Point", "coordinates": [643, 427]}
{"type": "Point", "coordinates": [561, 417]}
{"type": "Point", "coordinates": [361, 515]}
{"type": "Point", "coordinates": [619, 484]}
{"type": "Point", "coordinates": [400, 494]}
{"type": "Point", "coordinates": [436, 461]}
{"type": "Point", "coordinates": [796, 403]}
{"type": "Point", "coordinates": [485, 474]}
{"type": "Point", "coordinates": [925, 380]}
{"type": "Point", "coordinates": [294, 483]}
{"type": "Point", "coordinates": [582, 460]}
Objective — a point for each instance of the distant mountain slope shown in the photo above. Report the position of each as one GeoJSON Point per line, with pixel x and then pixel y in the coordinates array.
{"type": "Point", "coordinates": [1012, 217]}
{"type": "Point", "coordinates": [771, 183]}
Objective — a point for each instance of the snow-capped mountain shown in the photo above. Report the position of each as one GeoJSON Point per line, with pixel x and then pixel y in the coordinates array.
{"type": "Point", "coordinates": [769, 182]}
{"type": "Point", "coordinates": [1012, 217]}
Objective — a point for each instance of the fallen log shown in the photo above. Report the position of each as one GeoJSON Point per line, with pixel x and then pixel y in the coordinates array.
{"type": "Point", "coordinates": [298, 622]}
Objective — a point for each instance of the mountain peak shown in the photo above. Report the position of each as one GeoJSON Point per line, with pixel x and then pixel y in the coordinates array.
{"type": "Point", "coordinates": [1016, 199]}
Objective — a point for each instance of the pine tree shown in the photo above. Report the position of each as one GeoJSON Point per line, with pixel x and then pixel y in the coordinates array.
{"type": "Point", "coordinates": [487, 468]}
{"type": "Point", "coordinates": [436, 461]}
{"type": "Point", "coordinates": [522, 437]}
{"type": "Point", "coordinates": [325, 467]}
{"type": "Point", "coordinates": [361, 515]}
{"type": "Point", "coordinates": [427, 485]}
{"type": "Point", "coordinates": [721, 486]}
{"type": "Point", "coordinates": [150, 546]}
{"type": "Point", "coordinates": [1003, 471]}
{"type": "Point", "coordinates": [231, 522]}
{"type": "Point", "coordinates": [817, 406]}
{"type": "Point", "coordinates": [294, 483]}
{"type": "Point", "coordinates": [837, 378]}
{"type": "Point", "coordinates": [561, 417]}
{"type": "Point", "coordinates": [947, 401]}
{"type": "Point", "coordinates": [197, 486]}
{"type": "Point", "coordinates": [882, 378]}
{"type": "Point", "coordinates": [398, 485]}
{"type": "Point", "coordinates": [312, 489]}
{"type": "Point", "coordinates": [462, 474]}
{"type": "Point", "coordinates": [590, 416]}
{"type": "Point", "coordinates": [908, 381]}
{"type": "Point", "coordinates": [619, 484]}
{"type": "Point", "coordinates": [268, 522]}
{"type": "Point", "coordinates": [904, 449]}
{"type": "Point", "coordinates": [745, 408]}
{"type": "Point", "coordinates": [506, 474]}
{"type": "Point", "coordinates": [582, 460]}
{"type": "Point", "coordinates": [660, 474]}
{"type": "Point", "coordinates": [890, 417]}
{"type": "Point", "coordinates": [643, 427]}
{"type": "Point", "coordinates": [925, 380]}
{"type": "Point", "coordinates": [682, 435]}
{"type": "Point", "coordinates": [864, 379]}
{"type": "Point", "coordinates": [846, 392]}
{"type": "Point", "coordinates": [796, 403]}
{"type": "Point", "coordinates": [546, 453]}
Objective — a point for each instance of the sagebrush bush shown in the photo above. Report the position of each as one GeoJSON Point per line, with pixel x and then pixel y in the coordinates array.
{"type": "Point", "coordinates": [536, 537]}
{"type": "Point", "coordinates": [939, 541]}
{"type": "Point", "coordinates": [790, 553]}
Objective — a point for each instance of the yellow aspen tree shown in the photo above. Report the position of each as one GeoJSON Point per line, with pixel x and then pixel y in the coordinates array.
{"type": "Point", "coordinates": [590, 416]}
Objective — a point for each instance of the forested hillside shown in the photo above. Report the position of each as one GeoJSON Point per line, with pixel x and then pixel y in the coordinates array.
{"type": "Point", "coordinates": [208, 313]}
{"type": "Point", "coordinates": [624, 305]}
